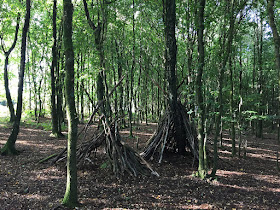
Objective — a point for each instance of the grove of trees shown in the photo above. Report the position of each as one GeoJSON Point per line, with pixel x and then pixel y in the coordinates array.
{"type": "Point", "coordinates": [218, 62]}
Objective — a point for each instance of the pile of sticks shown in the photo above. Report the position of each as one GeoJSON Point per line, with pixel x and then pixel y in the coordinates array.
{"type": "Point", "coordinates": [123, 159]}
{"type": "Point", "coordinates": [164, 139]}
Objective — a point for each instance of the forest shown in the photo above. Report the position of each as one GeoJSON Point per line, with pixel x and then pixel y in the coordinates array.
{"type": "Point", "coordinates": [139, 104]}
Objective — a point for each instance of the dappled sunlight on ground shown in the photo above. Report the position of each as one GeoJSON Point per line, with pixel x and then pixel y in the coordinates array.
{"type": "Point", "coordinates": [251, 183]}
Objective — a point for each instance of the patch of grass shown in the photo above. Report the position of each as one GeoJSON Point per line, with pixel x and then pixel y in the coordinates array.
{"type": "Point", "coordinates": [29, 122]}
{"type": "Point", "coordinates": [5, 122]}
{"type": "Point", "coordinates": [44, 125]}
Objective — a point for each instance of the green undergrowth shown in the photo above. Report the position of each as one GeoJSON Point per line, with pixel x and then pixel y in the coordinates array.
{"type": "Point", "coordinates": [44, 124]}
{"type": "Point", "coordinates": [5, 122]}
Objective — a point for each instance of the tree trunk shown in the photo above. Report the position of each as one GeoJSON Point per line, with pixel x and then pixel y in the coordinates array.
{"type": "Point", "coordinates": [120, 88]}
{"type": "Point", "coordinates": [99, 39]}
{"type": "Point", "coordinates": [71, 194]}
{"type": "Point", "coordinates": [276, 38]}
{"type": "Point", "coordinates": [170, 69]}
{"type": "Point", "coordinates": [81, 88]}
{"type": "Point", "coordinates": [202, 171]}
{"type": "Point", "coordinates": [225, 53]}
{"type": "Point", "coordinates": [259, 131]}
{"type": "Point", "coordinates": [6, 78]}
{"type": "Point", "coordinates": [59, 86]}
{"type": "Point", "coordinates": [232, 124]}
{"type": "Point", "coordinates": [9, 148]}
{"type": "Point", "coordinates": [131, 75]}
{"type": "Point", "coordinates": [54, 112]}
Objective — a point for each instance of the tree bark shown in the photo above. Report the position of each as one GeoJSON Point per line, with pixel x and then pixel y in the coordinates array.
{"type": "Point", "coordinates": [71, 194]}
{"type": "Point", "coordinates": [169, 11]}
{"type": "Point", "coordinates": [202, 171]}
{"type": "Point", "coordinates": [9, 148]}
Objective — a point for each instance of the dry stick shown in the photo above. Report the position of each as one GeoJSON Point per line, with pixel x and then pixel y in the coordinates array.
{"type": "Point", "coordinates": [99, 104]}
{"type": "Point", "coordinates": [127, 151]}
{"type": "Point", "coordinates": [164, 132]}
{"type": "Point", "coordinates": [96, 108]}
{"type": "Point", "coordinates": [165, 139]}
{"type": "Point", "coordinates": [59, 155]}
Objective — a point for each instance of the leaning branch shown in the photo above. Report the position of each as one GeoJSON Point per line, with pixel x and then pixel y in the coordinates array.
{"type": "Point", "coordinates": [90, 22]}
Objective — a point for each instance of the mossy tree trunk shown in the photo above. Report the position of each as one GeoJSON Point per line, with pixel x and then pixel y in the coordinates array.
{"type": "Point", "coordinates": [71, 194]}
{"type": "Point", "coordinates": [9, 147]}
{"type": "Point", "coordinates": [202, 171]}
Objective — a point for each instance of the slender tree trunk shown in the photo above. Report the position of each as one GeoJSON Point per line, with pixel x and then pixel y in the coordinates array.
{"type": "Point", "coordinates": [253, 80]}
{"type": "Point", "coordinates": [6, 77]}
{"type": "Point", "coordinates": [225, 56]}
{"type": "Point", "coordinates": [59, 85]}
{"type": "Point", "coordinates": [120, 88]}
{"type": "Point", "coordinates": [240, 111]}
{"type": "Point", "coordinates": [131, 74]}
{"type": "Point", "coordinates": [276, 38]}
{"type": "Point", "coordinates": [71, 194]}
{"type": "Point", "coordinates": [9, 148]}
{"type": "Point", "coordinates": [99, 39]}
{"type": "Point", "coordinates": [54, 112]}
{"type": "Point", "coordinates": [35, 91]}
{"type": "Point", "coordinates": [81, 88]}
{"type": "Point", "coordinates": [202, 171]}
{"type": "Point", "coordinates": [259, 131]}
{"type": "Point", "coordinates": [232, 124]}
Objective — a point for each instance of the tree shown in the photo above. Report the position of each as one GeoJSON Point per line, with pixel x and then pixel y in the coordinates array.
{"type": "Point", "coordinates": [99, 31]}
{"type": "Point", "coordinates": [9, 147]}
{"type": "Point", "coordinates": [55, 121]}
{"type": "Point", "coordinates": [170, 68]}
{"type": "Point", "coordinates": [71, 195]}
{"type": "Point", "coordinates": [276, 38]}
{"type": "Point", "coordinates": [6, 77]}
{"type": "Point", "coordinates": [174, 132]}
{"type": "Point", "coordinates": [233, 10]}
{"type": "Point", "coordinates": [202, 165]}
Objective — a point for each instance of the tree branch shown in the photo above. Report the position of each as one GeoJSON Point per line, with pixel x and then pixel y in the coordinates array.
{"type": "Point", "coordinates": [90, 22]}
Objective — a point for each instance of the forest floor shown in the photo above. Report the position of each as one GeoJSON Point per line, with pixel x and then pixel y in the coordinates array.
{"type": "Point", "coordinates": [251, 183]}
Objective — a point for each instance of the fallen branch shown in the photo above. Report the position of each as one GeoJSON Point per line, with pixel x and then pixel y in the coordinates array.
{"type": "Point", "coordinates": [47, 158]}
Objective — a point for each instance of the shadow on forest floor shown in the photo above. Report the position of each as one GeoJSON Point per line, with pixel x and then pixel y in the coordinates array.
{"type": "Point", "coordinates": [251, 183]}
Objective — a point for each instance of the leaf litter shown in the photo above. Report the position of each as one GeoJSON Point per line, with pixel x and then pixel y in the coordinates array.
{"type": "Point", "coordinates": [251, 183]}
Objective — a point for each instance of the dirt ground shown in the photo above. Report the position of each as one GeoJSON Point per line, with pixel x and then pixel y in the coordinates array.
{"type": "Point", "coordinates": [251, 183]}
